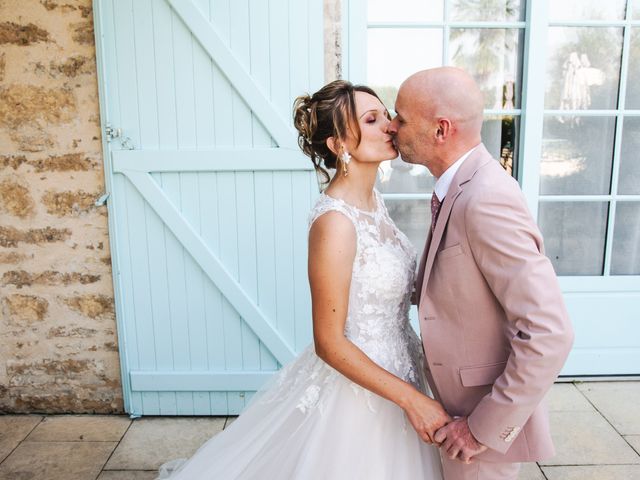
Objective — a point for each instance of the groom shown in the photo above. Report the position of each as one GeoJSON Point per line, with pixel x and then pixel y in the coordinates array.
{"type": "Point", "coordinates": [494, 326]}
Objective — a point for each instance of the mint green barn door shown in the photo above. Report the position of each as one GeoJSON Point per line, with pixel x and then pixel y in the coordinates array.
{"type": "Point", "coordinates": [209, 194]}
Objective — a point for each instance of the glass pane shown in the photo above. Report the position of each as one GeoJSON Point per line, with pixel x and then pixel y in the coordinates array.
{"type": "Point", "coordinates": [633, 76]}
{"type": "Point", "coordinates": [635, 9]}
{"type": "Point", "coordinates": [586, 10]}
{"type": "Point", "coordinates": [625, 257]}
{"type": "Point", "coordinates": [577, 153]}
{"type": "Point", "coordinates": [629, 177]}
{"type": "Point", "coordinates": [412, 217]}
{"type": "Point", "coordinates": [500, 135]}
{"type": "Point", "coordinates": [493, 56]}
{"type": "Point", "coordinates": [488, 10]}
{"type": "Point", "coordinates": [388, 66]}
{"type": "Point", "coordinates": [583, 68]}
{"type": "Point", "coordinates": [396, 176]}
{"type": "Point", "coordinates": [574, 235]}
{"type": "Point", "coordinates": [405, 10]}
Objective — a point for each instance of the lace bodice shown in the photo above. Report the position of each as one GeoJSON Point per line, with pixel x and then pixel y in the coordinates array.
{"type": "Point", "coordinates": [381, 287]}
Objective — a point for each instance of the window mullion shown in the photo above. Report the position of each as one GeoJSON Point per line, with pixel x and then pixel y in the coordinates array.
{"type": "Point", "coordinates": [615, 168]}
{"type": "Point", "coordinates": [354, 40]}
{"type": "Point", "coordinates": [534, 65]}
{"type": "Point", "coordinates": [441, 24]}
{"type": "Point", "coordinates": [446, 32]}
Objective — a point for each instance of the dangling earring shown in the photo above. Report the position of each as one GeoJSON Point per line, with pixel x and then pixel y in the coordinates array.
{"type": "Point", "coordinates": [346, 158]}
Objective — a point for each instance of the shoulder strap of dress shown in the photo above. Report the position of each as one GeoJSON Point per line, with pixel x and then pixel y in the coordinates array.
{"type": "Point", "coordinates": [327, 204]}
{"type": "Point", "coordinates": [382, 208]}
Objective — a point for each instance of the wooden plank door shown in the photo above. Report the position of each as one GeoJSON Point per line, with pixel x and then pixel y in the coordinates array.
{"type": "Point", "coordinates": [209, 193]}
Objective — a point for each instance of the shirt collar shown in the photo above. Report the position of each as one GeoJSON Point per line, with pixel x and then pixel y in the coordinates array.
{"type": "Point", "coordinates": [444, 181]}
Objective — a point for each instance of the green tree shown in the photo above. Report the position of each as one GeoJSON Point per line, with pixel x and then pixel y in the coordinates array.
{"type": "Point", "coordinates": [486, 52]}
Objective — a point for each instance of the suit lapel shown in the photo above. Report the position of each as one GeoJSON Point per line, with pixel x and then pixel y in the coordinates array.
{"type": "Point", "coordinates": [479, 157]}
{"type": "Point", "coordinates": [443, 217]}
{"type": "Point", "coordinates": [421, 266]}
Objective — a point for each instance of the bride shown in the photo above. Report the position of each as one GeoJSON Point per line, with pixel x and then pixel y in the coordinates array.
{"type": "Point", "coordinates": [353, 404]}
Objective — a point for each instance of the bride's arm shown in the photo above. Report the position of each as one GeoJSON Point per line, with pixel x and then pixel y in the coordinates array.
{"type": "Point", "coordinates": [332, 249]}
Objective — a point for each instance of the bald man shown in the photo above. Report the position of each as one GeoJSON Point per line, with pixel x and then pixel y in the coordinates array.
{"type": "Point", "coordinates": [494, 325]}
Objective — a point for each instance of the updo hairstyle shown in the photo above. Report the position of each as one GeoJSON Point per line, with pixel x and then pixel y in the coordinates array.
{"type": "Point", "coordinates": [330, 112]}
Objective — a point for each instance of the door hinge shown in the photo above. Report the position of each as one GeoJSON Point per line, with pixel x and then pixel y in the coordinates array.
{"type": "Point", "coordinates": [111, 133]}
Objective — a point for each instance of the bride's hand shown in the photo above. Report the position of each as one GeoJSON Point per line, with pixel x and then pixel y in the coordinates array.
{"type": "Point", "coordinates": [426, 416]}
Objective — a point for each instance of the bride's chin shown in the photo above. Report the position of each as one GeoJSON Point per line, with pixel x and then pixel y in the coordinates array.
{"type": "Point", "coordinates": [394, 154]}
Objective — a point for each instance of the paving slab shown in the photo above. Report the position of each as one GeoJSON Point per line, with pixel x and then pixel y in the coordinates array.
{"type": "Point", "coordinates": [229, 421]}
{"type": "Point", "coordinates": [150, 442]}
{"type": "Point", "coordinates": [14, 429]}
{"type": "Point", "coordinates": [565, 397]}
{"type": "Point", "coordinates": [634, 440]}
{"type": "Point", "coordinates": [78, 428]}
{"type": "Point", "coordinates": [128, 475]}
{"type": "Point", "coordinates": [56, 460]}
{"type": "Point", "coordinates": [618, 402]}
{"type": "Point", "coordinates": [593, 472]}
{"type": "Point", "coordinates": [586, 438]}
{"type": "Point", "coordinates": [530, 471]}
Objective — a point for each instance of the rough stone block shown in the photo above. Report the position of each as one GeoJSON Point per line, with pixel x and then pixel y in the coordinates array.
{"type": "Point", "coordinates": [69, 203]}
{"type": "Point", "coordinates": [16, 34]}
{"type": "Point", "coordinates": [73, 66]}
{"type": "Point", "coordinates": [11, 237]}
{"type": "Point", "coordinates": [92, 306]}
{"type": "Point", "coordinates": [63, 163]}
{"type": "Point", "coordinates": [21, 278]}
{"type": "Point", "coordinates": [16, 199]}
{"type": "Point", "coordinates": [22, 104]}
{"type": "Point", "coordinates": [11, 258]}
{"type": "Point", "coordinates": [26, 308]}
{"type": "Point", "coordinates": [12, 161]}
{"type": "Point", "coordinates": [83, 33]}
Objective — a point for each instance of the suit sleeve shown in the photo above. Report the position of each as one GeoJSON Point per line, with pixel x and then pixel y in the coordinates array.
{"type": "Point", "coordinates": [507, 247]}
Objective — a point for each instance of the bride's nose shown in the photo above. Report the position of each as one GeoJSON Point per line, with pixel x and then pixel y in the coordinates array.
{"type": "Point", "coordinates": [389, 127]}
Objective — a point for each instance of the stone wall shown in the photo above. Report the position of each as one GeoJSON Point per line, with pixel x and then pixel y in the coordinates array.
{"type": "Point", "coordinates": [332, 40]}
{"type": "Point", "coordinates": [58, 345]}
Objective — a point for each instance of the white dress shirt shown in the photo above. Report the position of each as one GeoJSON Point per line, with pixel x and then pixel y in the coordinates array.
{"type": "Point", "coordinates": [444, 181]}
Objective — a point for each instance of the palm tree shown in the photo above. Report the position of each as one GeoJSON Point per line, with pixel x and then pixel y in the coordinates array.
{"type": "Point", "coordinates": [489, 54]}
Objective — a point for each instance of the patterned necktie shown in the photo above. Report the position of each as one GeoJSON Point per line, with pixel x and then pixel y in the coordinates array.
{"type": "Point", "coordinates": [435, 210]}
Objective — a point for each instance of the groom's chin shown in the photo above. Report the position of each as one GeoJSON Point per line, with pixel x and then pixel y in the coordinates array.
{"type": "Point", "coordinates": [407, 159]}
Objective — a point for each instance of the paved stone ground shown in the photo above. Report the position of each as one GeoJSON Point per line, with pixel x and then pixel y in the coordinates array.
{"type": "Point", "coordinates": [596, 428]}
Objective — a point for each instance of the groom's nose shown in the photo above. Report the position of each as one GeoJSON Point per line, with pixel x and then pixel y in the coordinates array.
{"type": "Point", "coordinates": [392, 127]}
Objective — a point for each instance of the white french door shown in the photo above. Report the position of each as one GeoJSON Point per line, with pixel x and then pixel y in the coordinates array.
{"type": "Point", "coordinates": [562, 114]}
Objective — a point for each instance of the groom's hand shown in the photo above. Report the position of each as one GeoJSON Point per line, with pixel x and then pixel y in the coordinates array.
{"type": "Point", "coordinates": [457, 441]}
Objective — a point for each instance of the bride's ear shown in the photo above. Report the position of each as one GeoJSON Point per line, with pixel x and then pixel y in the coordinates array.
{"type": "Point", "coordinates": [331, 145]}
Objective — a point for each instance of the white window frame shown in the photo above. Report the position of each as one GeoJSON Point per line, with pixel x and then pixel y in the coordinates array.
{"type": "Point", "coordinates": [532, 113]}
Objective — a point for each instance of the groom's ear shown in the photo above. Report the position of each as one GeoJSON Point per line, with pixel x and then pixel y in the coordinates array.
{"type": "Point", "coordinates": [443, 129]}
{"type": "Point", "coordinates": [331, 144]}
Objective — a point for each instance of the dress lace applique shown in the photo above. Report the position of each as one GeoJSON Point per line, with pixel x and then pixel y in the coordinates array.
{"type": "Point", "coordinates": [381, 286]}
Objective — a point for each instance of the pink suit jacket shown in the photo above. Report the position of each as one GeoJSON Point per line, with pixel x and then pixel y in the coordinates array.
{"type": "Point", "coordinates": [494, 325]}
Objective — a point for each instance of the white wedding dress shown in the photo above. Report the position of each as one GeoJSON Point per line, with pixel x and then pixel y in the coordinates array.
{"type": "Point", "coordinates": [310, 422]}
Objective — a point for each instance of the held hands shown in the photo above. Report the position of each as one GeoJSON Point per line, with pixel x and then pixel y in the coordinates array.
{"type": "Point", "coordinates": [457, 441]}
{"type": "Point", "coordinates": [426, 416]}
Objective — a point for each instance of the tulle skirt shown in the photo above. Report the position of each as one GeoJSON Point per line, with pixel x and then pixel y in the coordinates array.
{"type": "Point", "coordinates": [311, 423]}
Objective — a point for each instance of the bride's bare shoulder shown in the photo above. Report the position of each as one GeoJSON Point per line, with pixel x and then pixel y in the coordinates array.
{"type": "Point", "coordinates": [331, 226]}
